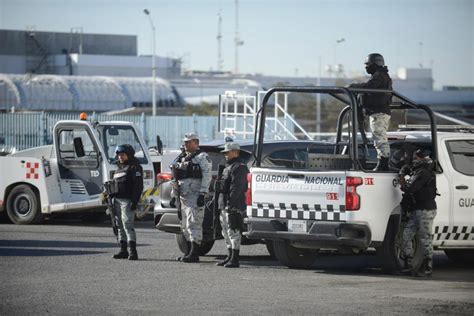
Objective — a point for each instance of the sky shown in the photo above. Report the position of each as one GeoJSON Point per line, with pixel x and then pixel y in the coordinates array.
{"type": "Point", "coordinates": [281, 37]}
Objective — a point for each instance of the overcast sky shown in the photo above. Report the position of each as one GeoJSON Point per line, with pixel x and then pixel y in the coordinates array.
{"type": "Point", "coordinates": [281, 37]}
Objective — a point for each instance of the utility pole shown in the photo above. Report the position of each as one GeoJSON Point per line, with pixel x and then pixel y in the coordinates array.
{"type": "Point", "coordinates": [237, 41]}
{"type": "Point", "coordinates": [220, 62]}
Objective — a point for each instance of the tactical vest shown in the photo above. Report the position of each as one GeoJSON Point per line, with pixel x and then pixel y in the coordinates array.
{"type": "Point", "coordinates": [186, 168]}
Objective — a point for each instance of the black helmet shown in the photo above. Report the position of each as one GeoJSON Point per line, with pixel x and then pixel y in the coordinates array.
{"type": "Point", "coordinates": [126, 148]}
{"type": "Point", "coordinates": [376, 59]}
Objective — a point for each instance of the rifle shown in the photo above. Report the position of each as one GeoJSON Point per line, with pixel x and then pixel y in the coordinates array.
{"type": "Point", "coordinates": [175, 184]}
{"type": "Point", "coordinates": [107, 199]}
{"type": "Point", "coordinates": [215, 206]}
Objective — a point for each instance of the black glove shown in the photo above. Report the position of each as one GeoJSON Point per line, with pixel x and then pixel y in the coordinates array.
{"type": "Point", "coordinates": [200, 200]}
{"type": "Point", "coordinates": [134, 207]}
{"type": "Point", "coordinates": [173, 202]}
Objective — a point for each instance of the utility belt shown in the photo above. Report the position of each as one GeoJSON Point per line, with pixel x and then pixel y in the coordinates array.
{"type": "Point", "coordinates": [111, 187]}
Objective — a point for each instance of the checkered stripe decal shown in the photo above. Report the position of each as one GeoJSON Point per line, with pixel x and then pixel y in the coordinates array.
{"type": "Point", "coordinates": [454, 233]}
{"type": "Point", "coordinates": [294, 211]}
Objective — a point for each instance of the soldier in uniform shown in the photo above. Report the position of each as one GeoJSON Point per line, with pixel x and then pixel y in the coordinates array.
{"type": "Point", "coordinates": [377, 106]}
{"type": "Point", "coordinates": [192, 172]}
{"type": "Point", "coordinates": [128, 184]}
{"type": "Point", "coordinates": [421, 187]}
{"type": "Point", "coordinates": [232, 202]}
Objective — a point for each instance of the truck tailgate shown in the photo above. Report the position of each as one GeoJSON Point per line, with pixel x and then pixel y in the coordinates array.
{"type": "Point", "coordinates": [297, 195]}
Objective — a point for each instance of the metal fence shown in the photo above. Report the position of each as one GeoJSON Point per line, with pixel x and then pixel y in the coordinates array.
{"type": "Point", "coordinates": [27, 130]}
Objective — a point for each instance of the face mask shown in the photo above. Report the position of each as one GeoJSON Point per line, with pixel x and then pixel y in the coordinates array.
{"type": "Point", "coordinates": [371, 68]}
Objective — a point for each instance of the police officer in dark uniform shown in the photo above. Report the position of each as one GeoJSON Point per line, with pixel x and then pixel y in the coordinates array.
{"type": "Point", "coordinates": [128, 188]}
{"type": "Point", "coordinates": [418, 182]}
{"type": "Point", "coordinates": [232, 202]}
{"type": "Point", "coordinates": [377, 106]}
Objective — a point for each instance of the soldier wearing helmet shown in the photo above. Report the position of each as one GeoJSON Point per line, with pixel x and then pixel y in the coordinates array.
{"type": "Point", "coordinates": [377, 106]}
{"type": "Point", "coordinates": [128, 183]}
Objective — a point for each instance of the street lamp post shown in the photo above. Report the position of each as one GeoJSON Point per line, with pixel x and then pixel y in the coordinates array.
{"type": "Point", "coordinates": [153, 65]}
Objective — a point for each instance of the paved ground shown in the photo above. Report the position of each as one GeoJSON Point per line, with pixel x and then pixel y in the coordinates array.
{"type": "Point", "coordinates": [65, 267]}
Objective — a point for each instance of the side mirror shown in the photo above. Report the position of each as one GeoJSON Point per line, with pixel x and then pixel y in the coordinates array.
{"type": "Point", "coordinates": [159, 145]}
{"type": "Point", "coordinates": [79, 147]}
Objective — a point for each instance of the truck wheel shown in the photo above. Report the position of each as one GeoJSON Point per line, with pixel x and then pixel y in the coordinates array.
{"type": "Point", "coordinates": [270, 249]}
{"type": "Point", "coordinates": [23, 206]}
{"type": "Point", "coordinates": [292, 257]}
{"type": "Point", "coordinates": [462, 256]}
{"type": "Point", "coordinates": [390, 251]}
{"type": "Point", "coordinates": [184, 245]}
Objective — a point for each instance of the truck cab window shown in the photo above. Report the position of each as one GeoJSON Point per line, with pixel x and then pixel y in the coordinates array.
{"type": "Point", "coordinates": [461, 153]}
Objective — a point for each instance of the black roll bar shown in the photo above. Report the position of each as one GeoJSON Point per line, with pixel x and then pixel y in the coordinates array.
{"type": "Point", "coordinates": [352, 106]}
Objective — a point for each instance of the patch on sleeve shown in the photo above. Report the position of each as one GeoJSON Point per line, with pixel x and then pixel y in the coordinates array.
{"type": "Point", "coordinates": [138, 174]}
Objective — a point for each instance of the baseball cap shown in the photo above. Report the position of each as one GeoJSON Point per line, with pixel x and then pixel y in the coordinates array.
{"type": "Point", "coordinates": [190, 136]}
{"type": "Point", "coordinates": [230, 146]}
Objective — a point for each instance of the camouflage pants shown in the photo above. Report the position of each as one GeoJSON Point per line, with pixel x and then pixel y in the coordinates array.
{"type": "Point", "coordinates": [191, 224]}
{"type": "Point", "coordinates": [125, 220]}
{"type": "Point", "coordinates": [420, 223]}
{"type": "Point", "coordinates": [379, 123]}
{"type": "Point", "coordinates": [232, 237]}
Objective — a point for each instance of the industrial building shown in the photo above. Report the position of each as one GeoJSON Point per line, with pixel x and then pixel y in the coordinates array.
{"type": "Point", "coordinates": [102, 72]}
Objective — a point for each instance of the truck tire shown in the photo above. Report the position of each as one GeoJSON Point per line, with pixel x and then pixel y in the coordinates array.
{"type": "Point", "coordinates": [390, 252]}
{"type": "Point", "coordinates": [461, 256]}
{"type": "Point", "coordinates": [23, 206]}
{"type": "Point", "coordinates": [292, 257]}
{"type": "Point", "coordinates": [184, 245]}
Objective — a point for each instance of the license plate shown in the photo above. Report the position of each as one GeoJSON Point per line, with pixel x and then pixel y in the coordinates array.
{"type": "Point", "coordinates": [297, 226]}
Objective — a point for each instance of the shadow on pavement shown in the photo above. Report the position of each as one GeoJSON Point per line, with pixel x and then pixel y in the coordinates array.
{"type": "Point", "coordinates": [23, 252]}
{"type": "Point", "coordinates": [55, 244]}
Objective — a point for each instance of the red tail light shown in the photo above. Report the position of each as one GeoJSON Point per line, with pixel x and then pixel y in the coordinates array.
{"type": "Point", "coordinates": [248, 194]}
{"type": "Point", "coordinates": [163, 177]}
{"type": "Point", "coordinates": [352, 198]}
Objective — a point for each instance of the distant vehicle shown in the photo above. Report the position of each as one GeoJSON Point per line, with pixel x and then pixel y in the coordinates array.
{"type": "Point", "coordinates": [68, 175]}
{"type": "Point", "coordinates": [279, 154]}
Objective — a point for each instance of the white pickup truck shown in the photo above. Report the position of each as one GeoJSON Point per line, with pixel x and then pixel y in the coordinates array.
{"type": "Point", "coordinates": [335, 201]}
{"type": "Point", "coordinates": [67, 176]}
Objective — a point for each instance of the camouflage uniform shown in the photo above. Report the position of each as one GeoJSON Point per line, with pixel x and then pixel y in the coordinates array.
{"type": "Point", "coordinates": [232, 237]}
{"type": "Point", "coordinates": [190, 189]}
{"type": "Point", "coordinates": [379, 123]}
{"type": "Point", "coordinates": [232, 203]}
{"type": "Point", "coordinates": [421, 190]}
{"type": "Point", "coordinates": [420, 223]}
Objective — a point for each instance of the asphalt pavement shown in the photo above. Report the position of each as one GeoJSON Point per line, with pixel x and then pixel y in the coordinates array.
{"type": "Point", "coordinates": [65, 267]}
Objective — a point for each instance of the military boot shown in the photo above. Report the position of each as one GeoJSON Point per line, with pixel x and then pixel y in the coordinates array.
{"type": "Point", "coordinates": [227, 259]}
{"type": "Point", "coordinates": [407, 266]}
{"type": "Point", "coordinates": [234, 261]}
{"type": "Point", "coordinates": [133, 250]}
{"type": "Point", "coordinates": [382, 164]}
{"type": "Point", "coordinates": [123, 253]}
{"type": "Point", "coordinates": [426, 269]}
{"type": "Point", "coordinates": [187, 254]}
{"type": "Point", "coordinates": [193, 255]}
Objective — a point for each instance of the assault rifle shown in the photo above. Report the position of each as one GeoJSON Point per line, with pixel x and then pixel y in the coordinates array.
{"type": "Point", "coordinates": [107, 199]}
{"type": "Point", "coordinates": [215, 207]}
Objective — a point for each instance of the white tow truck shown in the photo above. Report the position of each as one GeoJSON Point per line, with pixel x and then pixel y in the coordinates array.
{"type": "Point", "coordinates": [336, 202]}
{"type": "Point", "coordinates": [68, 175]}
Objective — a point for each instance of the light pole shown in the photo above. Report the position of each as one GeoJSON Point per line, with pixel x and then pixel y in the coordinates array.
{"type": "Point", "coordinates": [341, 40]}
{"type": "Point", "coordinates": [153, 65]}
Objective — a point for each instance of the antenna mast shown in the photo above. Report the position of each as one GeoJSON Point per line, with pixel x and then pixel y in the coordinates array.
{"type": "Point", "coordinates": [237, 41]}
{"type": "Point", "coordinates": [220, 62]}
